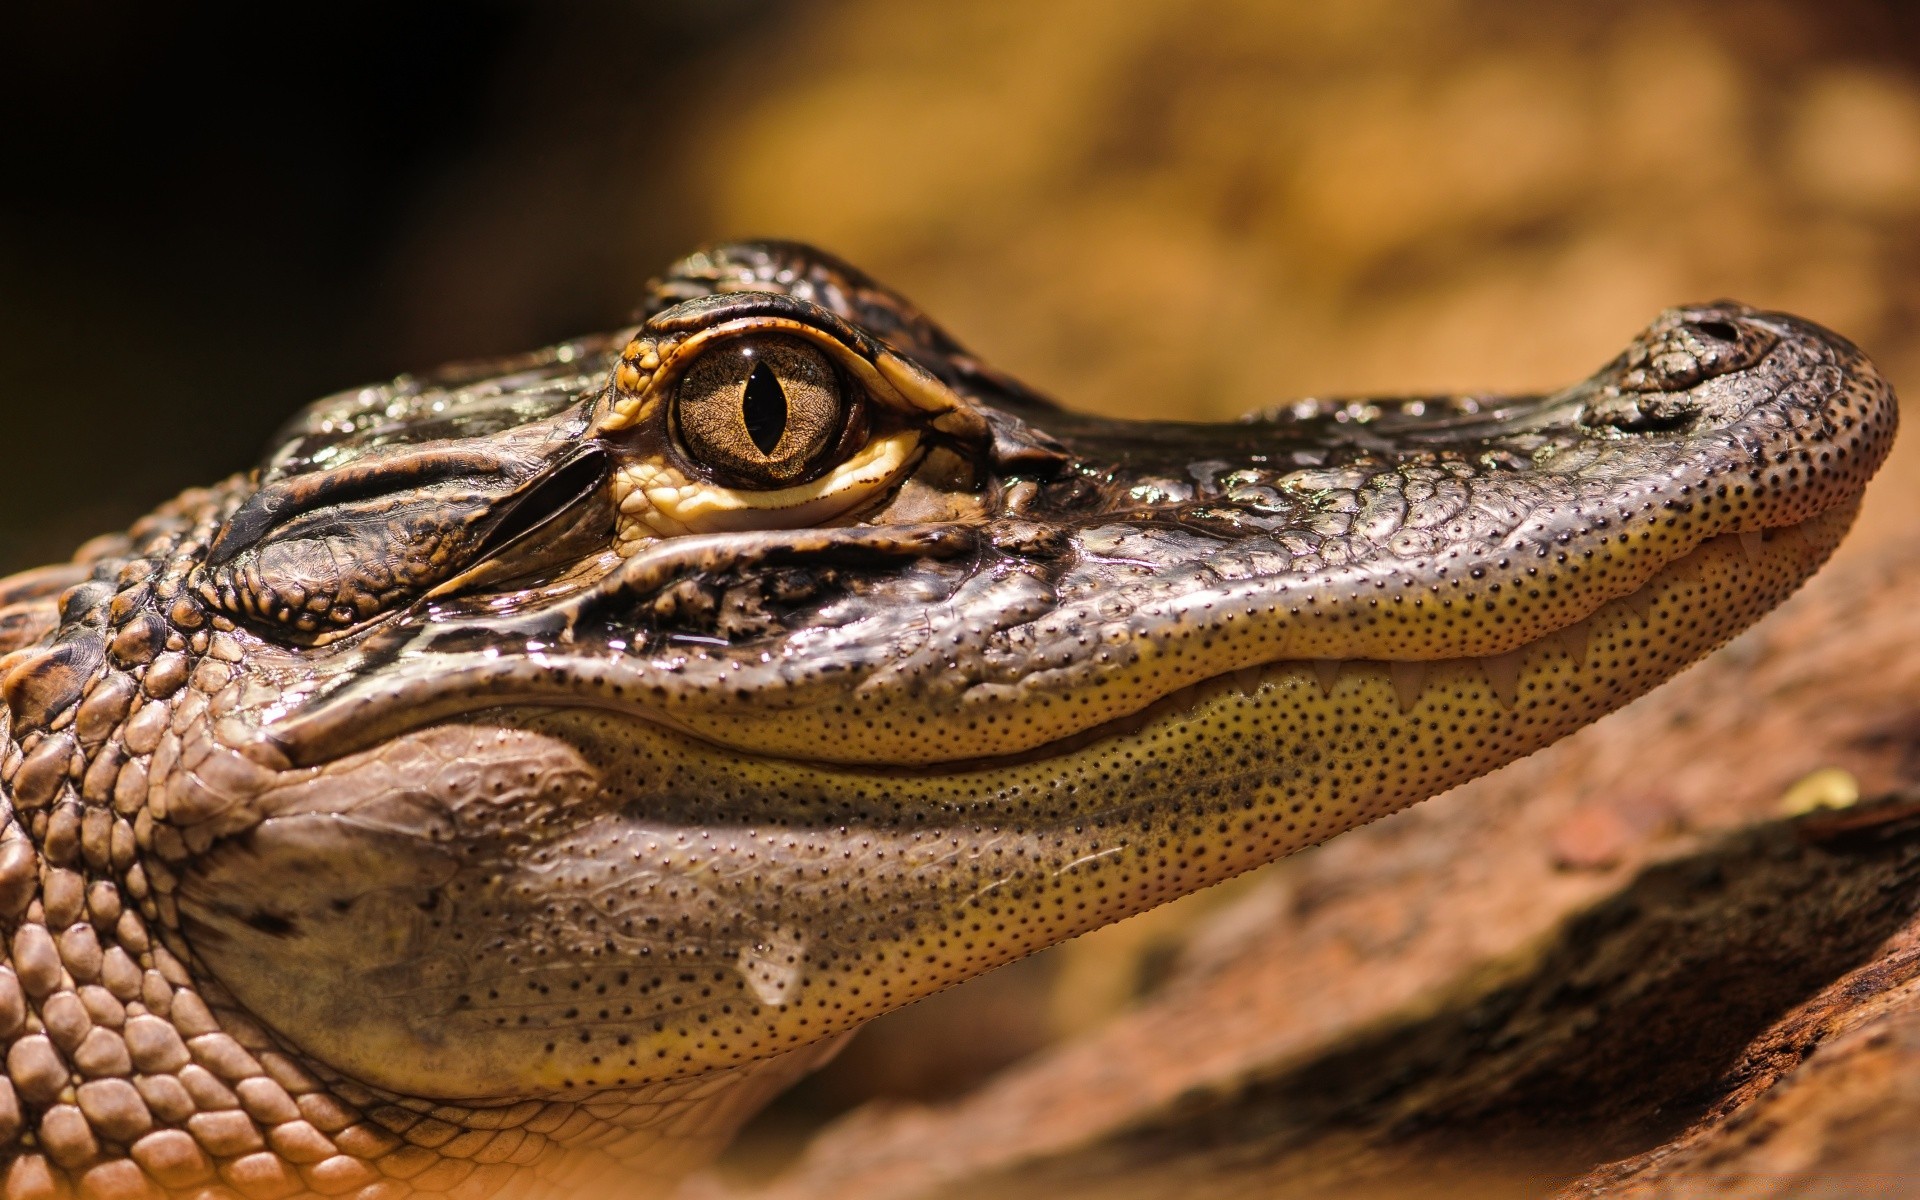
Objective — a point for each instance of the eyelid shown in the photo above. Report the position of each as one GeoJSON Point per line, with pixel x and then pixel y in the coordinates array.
{"type": "Point", "coordinates": [888, 379]}
{"type": "Point", "coordinates": [668, 504]}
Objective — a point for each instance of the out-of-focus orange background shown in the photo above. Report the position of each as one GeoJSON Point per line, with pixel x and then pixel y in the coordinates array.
{"type": "Point", "coordinates": [1146, 207]}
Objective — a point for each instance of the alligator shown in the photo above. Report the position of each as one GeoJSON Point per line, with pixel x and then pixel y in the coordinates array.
{"type": "Point", "coordinates": [532, 767]}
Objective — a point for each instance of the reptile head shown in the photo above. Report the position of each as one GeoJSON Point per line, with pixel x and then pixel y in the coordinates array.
{"type": "Point", "coordinates": [664, 701]}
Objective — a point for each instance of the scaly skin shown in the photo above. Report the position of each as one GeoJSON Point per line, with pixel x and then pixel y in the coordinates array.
{"type": "Point", "coordinates": [496, 795]}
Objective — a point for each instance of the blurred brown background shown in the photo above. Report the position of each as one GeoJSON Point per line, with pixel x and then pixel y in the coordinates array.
{"type": "Point", "coordinates": [1145, 207]}
{"type": "Point", "coordinates": [1153, 207]}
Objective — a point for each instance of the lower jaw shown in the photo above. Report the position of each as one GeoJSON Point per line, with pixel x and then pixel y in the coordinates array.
{"type": "Point", "coordinates": [1562, 680]}
{"type": "Point", "coordinates": [1633, 642]}
{"type": "Point", "coordinates": [1383, 735]}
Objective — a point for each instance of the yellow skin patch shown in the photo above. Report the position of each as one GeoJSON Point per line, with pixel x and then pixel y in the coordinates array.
{"type": "Point", "coordinates": [657, 500]}
{"type": "Point", "coordinates": [639, 360]}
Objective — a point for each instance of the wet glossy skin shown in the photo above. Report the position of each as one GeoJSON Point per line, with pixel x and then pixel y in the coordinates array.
{"type": "Point", "coordinates": [530, 768]}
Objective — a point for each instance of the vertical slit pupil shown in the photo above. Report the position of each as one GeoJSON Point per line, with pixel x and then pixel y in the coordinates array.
{"type": "Point", "coordinates": [764, 405]}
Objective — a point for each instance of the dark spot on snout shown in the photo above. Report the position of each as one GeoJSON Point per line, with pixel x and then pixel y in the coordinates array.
{"type": "Point", "coordinates": [271, 924]}
{"type": "Point", "coordinates": [1719, 331]}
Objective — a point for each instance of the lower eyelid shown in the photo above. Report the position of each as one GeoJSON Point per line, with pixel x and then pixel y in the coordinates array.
{"type": "Point", "coordinates": [660, 502]}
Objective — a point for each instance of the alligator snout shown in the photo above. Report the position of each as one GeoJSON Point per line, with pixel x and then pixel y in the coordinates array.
{"type": "Point", "coordinates": [1689, 345]}
{"type": "Point", "coordinates": [1652, 388]}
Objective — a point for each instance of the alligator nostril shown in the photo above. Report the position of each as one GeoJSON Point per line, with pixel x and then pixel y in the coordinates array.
{"type": "Point", "coordinates": [1720, 331]}
{"type": "Point", "coordinates": [1631, 412]}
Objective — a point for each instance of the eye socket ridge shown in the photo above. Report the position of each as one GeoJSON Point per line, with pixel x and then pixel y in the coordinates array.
{"type": "Point", "coordinates": [765, 410]}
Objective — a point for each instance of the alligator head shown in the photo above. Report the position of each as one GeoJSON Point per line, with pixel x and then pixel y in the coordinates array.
{"type": "Point", "coordinates": [531, 765]}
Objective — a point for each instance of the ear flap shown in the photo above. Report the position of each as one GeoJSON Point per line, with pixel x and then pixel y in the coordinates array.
{"type": "Point", "coordinates": [319, 553]}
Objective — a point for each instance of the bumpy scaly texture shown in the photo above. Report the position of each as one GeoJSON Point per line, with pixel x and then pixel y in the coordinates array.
{"type": "Point", "coordinates": [443, 809]}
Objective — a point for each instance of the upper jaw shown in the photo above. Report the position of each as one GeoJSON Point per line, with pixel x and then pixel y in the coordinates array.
{"type": "Point", "coordinates": [1153, 555]}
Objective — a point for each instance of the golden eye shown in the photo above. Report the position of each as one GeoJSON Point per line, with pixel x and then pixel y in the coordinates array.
{"type": "Point", "coordinates": [760, 410]}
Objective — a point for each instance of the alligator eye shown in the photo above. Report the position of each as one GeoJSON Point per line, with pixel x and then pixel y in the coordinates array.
{"type": "Point", "coordinates": [760, 411]}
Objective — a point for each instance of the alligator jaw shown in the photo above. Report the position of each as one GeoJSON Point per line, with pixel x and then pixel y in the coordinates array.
{"type": "Point", "coordinates": [1722, 585]}
{"type": "Point", "coordinates": [721, 905]}
{"type": "Point", "coordinates": [467, 795]}
{"type": "Point", "coordinates": [1420, 531]}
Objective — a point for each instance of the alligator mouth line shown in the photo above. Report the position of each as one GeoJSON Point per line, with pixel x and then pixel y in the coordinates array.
{"type": "Point", "coordinates": [1660, 614]}
{"type": "Point", "coordinates": [1504, 672]}
{"type": "Point", "coordinates": [1556, 680]}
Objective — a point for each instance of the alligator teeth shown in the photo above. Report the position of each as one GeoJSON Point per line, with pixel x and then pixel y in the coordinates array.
{"type": "Point", "coordinates": [1248, 679]}
{"type": "Point", "coordinates": [1503, 675]}
{"type": "Point", "coordinates": [1639, 604]}
{"type": "Point", "coordinates": [1409, 680]}
{"type": "Point", "coordinates": [1573, 639]}
{"type": "Point", "coordinates": [1751, 543]}
{"type": "Point", "coordinates": [1327, 671]}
